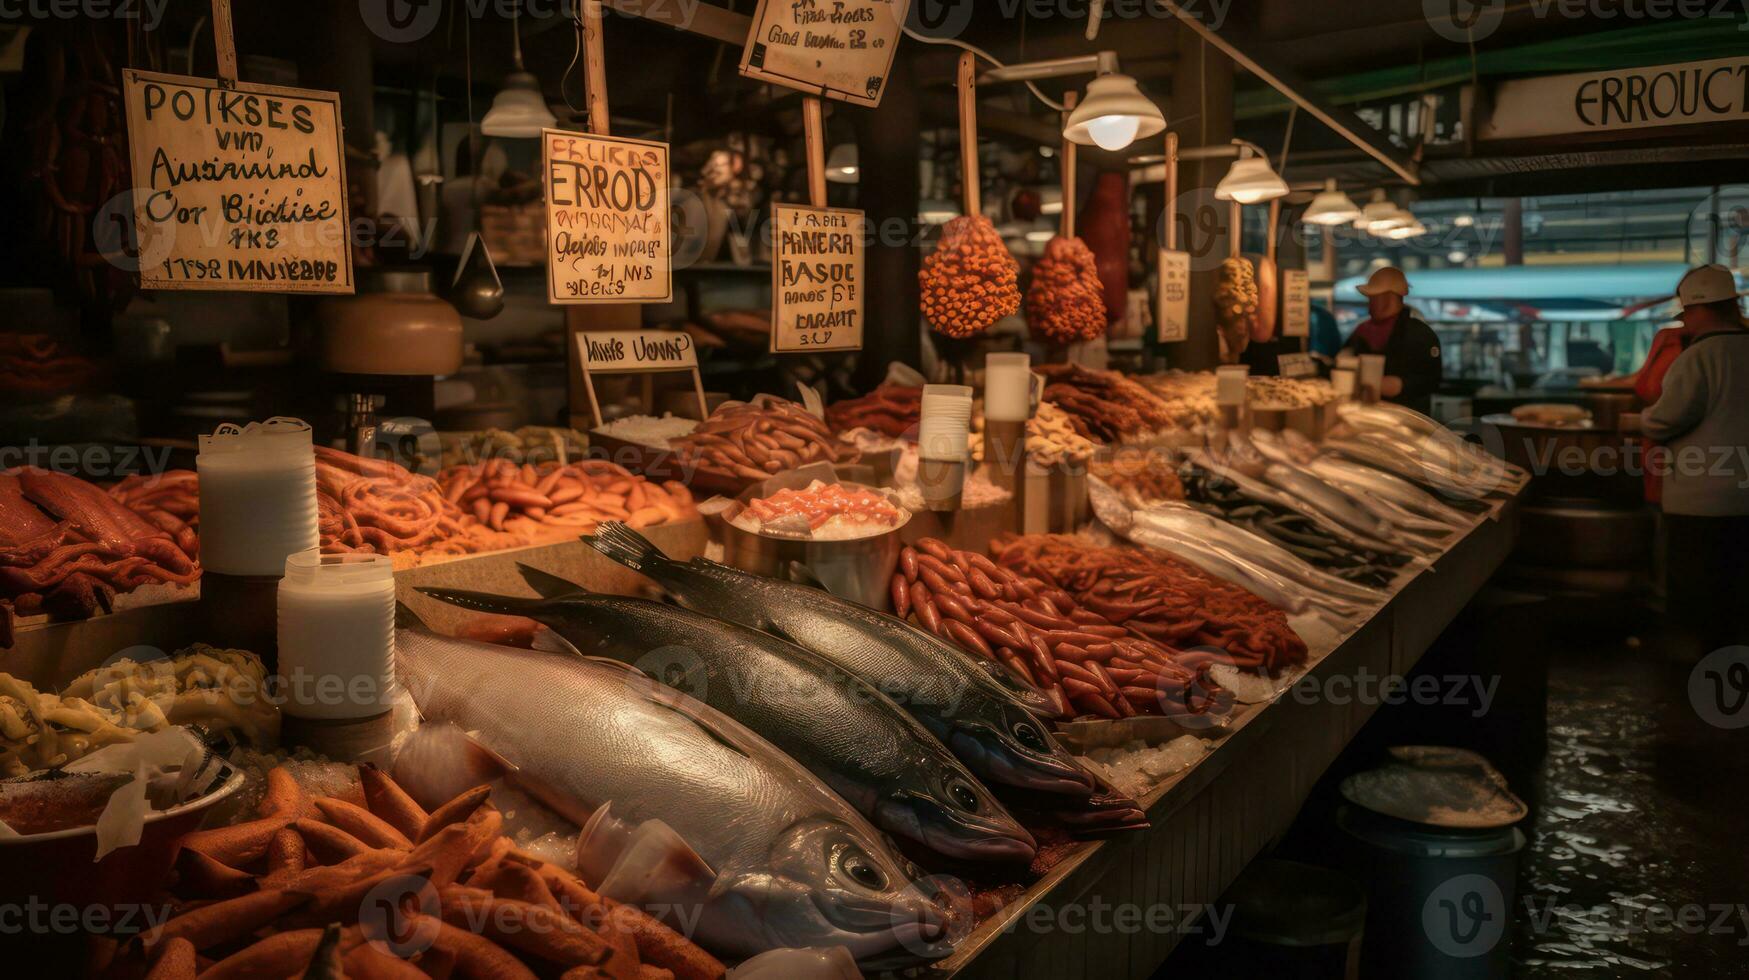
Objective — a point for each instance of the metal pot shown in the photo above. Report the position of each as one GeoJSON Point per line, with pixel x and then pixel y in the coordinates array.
{"type": "Point", "coordinates": [858, 569]}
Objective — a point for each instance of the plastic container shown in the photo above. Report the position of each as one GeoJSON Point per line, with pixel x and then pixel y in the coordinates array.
{"type": "Point", "coordinates": [337, 635]}
{"type": "Point", "coordinates": [257, 496]}
{"type": "Point", "coordinates": [1440, 900]}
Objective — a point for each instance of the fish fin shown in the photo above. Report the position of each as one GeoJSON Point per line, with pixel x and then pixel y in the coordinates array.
{"type": "Point", "coordinates": [503, 605]}
{"type": "Point", "coordinates": [546, 584]}
{"type": "Point", "coordinates": [552, 641]}
{"type": "Point", "coordinates": [801, 574]}
{"type": "Point", "coordinates": [626, 546]}
{"type": "Point", "coordinates": [407, 619]}
{"type": "Point", "coordinates": [636, 865]}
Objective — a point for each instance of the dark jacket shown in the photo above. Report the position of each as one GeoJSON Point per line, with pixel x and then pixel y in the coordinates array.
{"type": "Point", "coordinates": [1412, 354]}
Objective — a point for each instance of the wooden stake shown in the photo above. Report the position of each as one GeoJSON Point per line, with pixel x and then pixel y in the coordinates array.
{"type": "Point", "coordinates": [968, 93]}
{"type": "Point", "coordinates": [1172, 191]}
{"type": "Point", "coordinates": [1236, 226]}
{"type": "Point", "coordinates": [223, 43]}
{"type": "Point", "coordinates": [813, 134]}
{"type": "Point", "coordinates": [1274, 221]}
{"type": "Point", "coordinates": [595, 69]}
{"type": "Point", "coordinates": [1066, 221]}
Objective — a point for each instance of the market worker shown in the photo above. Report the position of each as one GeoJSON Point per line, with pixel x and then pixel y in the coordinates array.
{"type": "Point", "coordinates": [1410, 346]}
{"type": "Point", "coordinates": [1702, 415]}
{"type": "Point", "coordinates": [1648, 385]}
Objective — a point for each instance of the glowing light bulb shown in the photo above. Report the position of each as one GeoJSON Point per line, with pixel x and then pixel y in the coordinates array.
{"type": "Point", "coordinates": [1113, 132]}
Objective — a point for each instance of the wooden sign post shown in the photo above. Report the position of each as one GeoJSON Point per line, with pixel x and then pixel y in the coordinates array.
{"type": "Point", "coordinates": [842, 50]}
{"type": "Point", "coordinates": [238, 187]}
{"type": "Point", "coordinates": [968, 98]}
{"type": "Point", "coordinates": [817, 261]}
{"type": "Point", "coordinates": [1173, 324]}
{"type": "Point", "coordinates": [637, 352]}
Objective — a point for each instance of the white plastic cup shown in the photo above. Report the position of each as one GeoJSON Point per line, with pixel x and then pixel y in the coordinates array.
{"type": "Point", "coordinates": [337, 635]}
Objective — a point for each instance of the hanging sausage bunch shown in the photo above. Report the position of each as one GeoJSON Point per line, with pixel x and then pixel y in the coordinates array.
{"type": "Point", "coordinates": [1065, 304]}
{"type": "Point", "coordinates": [970, 281]}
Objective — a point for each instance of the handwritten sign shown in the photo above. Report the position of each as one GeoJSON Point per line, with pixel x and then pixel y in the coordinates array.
{"type": "Point", "coordinates": [816, 278]}
{"type": "Point", "coordinates": [238, 188]}
{"type": "Point", "coordinates": [632, 351]}
{"type": "Point", "coordinates": [1174, 320]}
{"type": "Point", "coordinates": [1296, 303]}
{"type": "Point", "coordinates": [837, 49]}
{"type": "Point", "coordinates": [608, 227]}
{"type": "Point", "coordinates": [1296, 365]}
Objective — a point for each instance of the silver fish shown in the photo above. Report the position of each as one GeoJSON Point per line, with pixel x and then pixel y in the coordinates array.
{"type": "Point", "coordinates": [862, 745]}
{"type": "Point", "coordinates": [682, 807]}
{"type": "Point", "coordinates": [978, 719]}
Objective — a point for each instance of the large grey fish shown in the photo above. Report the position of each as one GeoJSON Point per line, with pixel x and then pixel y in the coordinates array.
{"type": "Point", "coordinates": [682, 807]}
{"type": "Point", "coordinates": [981, 721]}
{"type": "Point", "coordinates": [861, 744]}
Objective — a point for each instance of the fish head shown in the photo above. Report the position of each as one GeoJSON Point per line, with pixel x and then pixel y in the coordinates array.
{"type": "Point", "coordinates": [831, 883]}
{"type": "Point", "coordinates": [943, 807]}
{"type": "Point", "coordinates": [1008, 745]}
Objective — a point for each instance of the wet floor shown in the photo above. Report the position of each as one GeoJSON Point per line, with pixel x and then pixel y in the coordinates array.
{"type": "Point", "coordinates": [1636, 864]}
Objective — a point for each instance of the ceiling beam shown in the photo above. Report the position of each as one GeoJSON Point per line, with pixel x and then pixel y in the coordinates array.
{"type": "Point", "coordinates": [1350, 126]}
{"type": "Point", "coordinates": [717, 23]}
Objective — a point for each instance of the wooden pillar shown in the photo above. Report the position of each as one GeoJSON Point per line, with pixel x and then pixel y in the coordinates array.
{"type": "Point", "coordinates": [1202, 95]}
{"type": "Point", "coordinates": [1512, 230]}
{"type": "Point", "coordinates": [888, 191]}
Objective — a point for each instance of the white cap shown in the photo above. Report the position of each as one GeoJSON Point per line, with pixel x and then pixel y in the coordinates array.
{"type": "Point", "coordinates": [1389, 279]}
{"type": "Point", "coordinates": [1705, 284]}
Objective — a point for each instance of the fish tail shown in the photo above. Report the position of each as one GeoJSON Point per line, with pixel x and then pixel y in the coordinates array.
{"type": "Point", "coordinates": [546, 584]}
{"type": "Point", "coordinates": [505, 605]}
{"type": "Point", "coordinates": [628, 547]}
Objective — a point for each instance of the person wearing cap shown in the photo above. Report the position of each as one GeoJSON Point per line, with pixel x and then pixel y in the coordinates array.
{"type": "Point", "coordinates": [1702, 418]}
{"type": "Point", "coordinates": [1410, 346]}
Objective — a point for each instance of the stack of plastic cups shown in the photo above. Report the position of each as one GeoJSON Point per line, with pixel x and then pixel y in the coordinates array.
{"type": "Point", "coordinates": [943, 437]}
{"type": "Point", "coordinates": [1007, 407]}
{"type": "Point", "coordinates": [1230, 383]}
{"type": "Point", "coordinates": [257, 507]}
{"type": "Point", "coordinates": [336, 651]}
{"type": "Point", "coordinates": [1372, 377]}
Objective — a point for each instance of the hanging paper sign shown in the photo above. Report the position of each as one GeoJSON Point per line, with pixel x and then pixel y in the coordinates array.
{"type": "Point", "coordinates": [816, 278]}
{"type": "Point", "coordinates": [1296, 365]}
{"type": "Point", "coordinates": [1296, 303]}
{"type": "Point", "coordinates": [240, 188]}
{"type": "Point", "coordinates": [837, 49]}
{"type": "Point", "coordinates": [608, 230]}
{"type": "Point", "coordinates": [1174, 320]}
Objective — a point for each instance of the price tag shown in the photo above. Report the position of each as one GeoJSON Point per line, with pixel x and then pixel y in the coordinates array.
{"type": "Point", "coordinates": [816, 279]}
{"type": "Point", "coordinates": [238, 188]}
{"type": "Point", "coordinates": [1296, 303]}
{"type": "Point", "coordinates": [608, 232]}
{"type": "Point", "coordinates": [1296, 365]}
{"type": "Point", "coordinates": [1174, 295]}
{"type": "Point", "coordinates": [837, 49]}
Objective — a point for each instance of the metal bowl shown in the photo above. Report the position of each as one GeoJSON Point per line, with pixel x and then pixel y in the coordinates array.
{"type": "Point", "coordinates": [858, 569]}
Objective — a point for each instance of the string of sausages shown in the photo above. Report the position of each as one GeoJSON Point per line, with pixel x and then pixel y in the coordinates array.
{"type": "Point", "coordinates": [892, 410]}
{"type": "Point", "coordinates": [755, 440]}
{"type": "Point", "coordinates": [1160, 598]}
{"type": "Point", "coordinates": [524, 497]}
{"type": "Point", "coordinates": [1074, 655]}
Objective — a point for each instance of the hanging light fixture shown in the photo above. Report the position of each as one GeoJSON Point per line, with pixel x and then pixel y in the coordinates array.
{"type": "Point", "coordinates": [1250, 181]}
{"type": "Point", "coordinates": [1113, 114]}
{"type": "Point", "coordinates": [841, 164]}
{"type": "Point", "coordinates": [1380, 215]}
{"type": "Point", "coordinates": [519, 110]}
{"type": "Point", "coordinates": [1412, 228]}
{"type": "Point", "coordinates": [1331, 207]}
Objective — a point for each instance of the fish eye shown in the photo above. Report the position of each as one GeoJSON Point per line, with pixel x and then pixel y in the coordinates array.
{"type": "Point", "coordinates": [963, 794]}
{"type": "Point", "coordinates": [1030, 737]}
{"type": "Point", "coordinates": [861, 870]}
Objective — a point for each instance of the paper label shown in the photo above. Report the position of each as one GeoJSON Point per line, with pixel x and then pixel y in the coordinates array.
{"type": "Point", "coordinates": [632, 351]}
{"type": "Point", "coordinates": [1296, 303]}
{"type": "Point", "coordinates": [1174, 295]}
